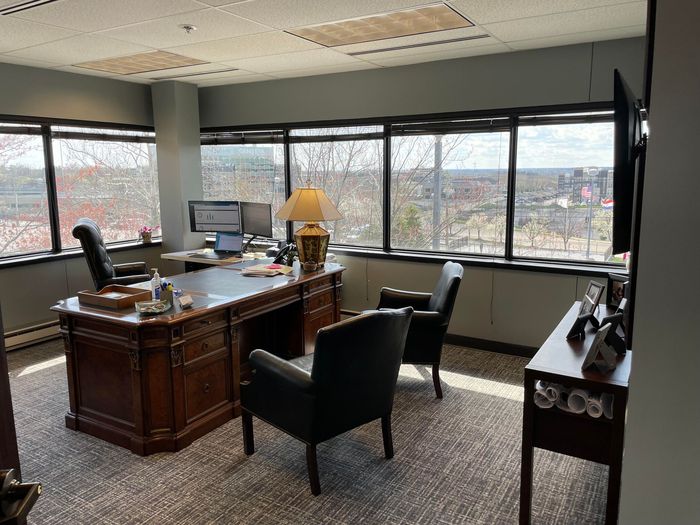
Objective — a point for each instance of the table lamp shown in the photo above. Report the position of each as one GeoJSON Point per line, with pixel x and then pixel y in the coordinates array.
{"type": "Point", "coordinates": [310, 205]}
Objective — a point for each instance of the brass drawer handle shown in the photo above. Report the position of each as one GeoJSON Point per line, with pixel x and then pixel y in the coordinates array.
{"type": "Point", "coordinates": [206, 388]}
{"type": "Point", "coordinates": [205, 346]}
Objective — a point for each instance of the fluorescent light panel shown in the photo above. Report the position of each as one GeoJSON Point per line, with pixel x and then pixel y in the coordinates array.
{"type": "Point", "coordinates": [415, 21]}
{"type": "Point", "coordinates": [141, 63]}
{"type": "Point", "coordinates": [24, 6]}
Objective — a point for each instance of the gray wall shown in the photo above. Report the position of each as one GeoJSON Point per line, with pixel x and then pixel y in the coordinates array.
{"type": "Point", "coordinates": [34, 92]}
{"type": "Point", "coordinates": [661, 469]}
{"type": "Point", "coordinates": [557, 75]}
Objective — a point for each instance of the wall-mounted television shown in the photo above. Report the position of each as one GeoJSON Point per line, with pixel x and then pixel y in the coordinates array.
{"type": "Point", "coordinates": [628, 133]}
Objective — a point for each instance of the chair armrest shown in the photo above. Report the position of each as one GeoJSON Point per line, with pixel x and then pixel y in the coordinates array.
{"type": "Point", "coordinates": [128, 279]}
{"type": "Point", "coordinates": [427, 319]}
{"type": "Point", "coordinates": [392, 298]}
{"type": "Point", "coordinates": [281, 371]}
{"type": "Point", "coordinates": [134, 268]}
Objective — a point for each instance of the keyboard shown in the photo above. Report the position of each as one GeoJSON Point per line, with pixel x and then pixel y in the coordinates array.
{"type": "Point", "coordinates": [213, 255]}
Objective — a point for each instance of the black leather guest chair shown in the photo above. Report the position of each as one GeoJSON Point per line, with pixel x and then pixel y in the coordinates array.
{"type": "Point", "coordinates": [348, 381]}
{"type": "Point", "coordinates": [430, 318]}
{"type": "Point", "coordinates": [101, 268]}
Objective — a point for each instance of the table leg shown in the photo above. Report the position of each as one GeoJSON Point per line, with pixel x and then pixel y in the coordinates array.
{"type": "Point", "coordinates": [527, 452]}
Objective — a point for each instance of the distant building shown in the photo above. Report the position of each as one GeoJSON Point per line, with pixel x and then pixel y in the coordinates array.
{"type": "Point", "coordinates": [575, 186]}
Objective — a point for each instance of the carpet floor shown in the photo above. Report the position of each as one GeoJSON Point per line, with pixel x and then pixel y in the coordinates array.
{"type": "Point", "coordinates": [457, 460]}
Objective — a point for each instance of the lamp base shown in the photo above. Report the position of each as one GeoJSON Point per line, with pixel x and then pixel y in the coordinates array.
{"type": "Point", "coordinates": [312, 243]}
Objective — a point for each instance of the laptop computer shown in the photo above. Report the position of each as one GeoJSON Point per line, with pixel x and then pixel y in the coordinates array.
{"type": "Point", "coordinates": [227, 245]}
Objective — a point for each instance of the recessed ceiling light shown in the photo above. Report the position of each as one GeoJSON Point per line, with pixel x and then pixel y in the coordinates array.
{"type": "Point", "coordinates": [141, 63]}
{"type": "Point", "coordinates": [415, 21]}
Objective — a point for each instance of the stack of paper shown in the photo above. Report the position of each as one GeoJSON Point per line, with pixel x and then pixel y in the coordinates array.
{"type": "Point", "coordinates": [266, 270]}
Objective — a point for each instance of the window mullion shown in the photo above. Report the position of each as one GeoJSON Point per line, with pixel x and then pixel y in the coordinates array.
{"type": "Point", "coordinates": [386, 168]}
{"type": "Point", "coordinates": [510, 194]}
{"type": "Point", "coordinates": [51, 192]}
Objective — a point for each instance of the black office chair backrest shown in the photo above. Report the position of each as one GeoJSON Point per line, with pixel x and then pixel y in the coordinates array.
{"type": "Point", "coordinates": [445, 293]}
{"type": "Point", "coordinates": [90, 237]}
{"type": "Point", "coordinates": [356, 364]}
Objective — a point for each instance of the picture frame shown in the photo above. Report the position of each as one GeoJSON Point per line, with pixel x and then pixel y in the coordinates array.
{"type": "Point", "coordinates": [616, 289]}
{"type": "Point", "coordinates": [591, 298]}
{"type": "Point", "coordinates": [599, 354]}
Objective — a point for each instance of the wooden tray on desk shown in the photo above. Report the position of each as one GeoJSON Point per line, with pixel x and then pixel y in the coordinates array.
{"type": "Point", "coordinates": [114, 297]}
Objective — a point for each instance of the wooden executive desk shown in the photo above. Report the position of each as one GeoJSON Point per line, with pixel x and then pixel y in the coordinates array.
{"type": "Point", "coordinates": [154, 384]}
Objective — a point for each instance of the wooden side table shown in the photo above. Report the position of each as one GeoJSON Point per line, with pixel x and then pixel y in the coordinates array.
{"type": "Point", "coordinates": [578, 435]}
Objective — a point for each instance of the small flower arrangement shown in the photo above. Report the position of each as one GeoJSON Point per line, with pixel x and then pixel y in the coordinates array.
{"type": "Point", "coordinates": [146, 232]}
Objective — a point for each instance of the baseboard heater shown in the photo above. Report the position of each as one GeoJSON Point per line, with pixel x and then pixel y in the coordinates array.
{"type": "Point", "coordinates": [31, 335]}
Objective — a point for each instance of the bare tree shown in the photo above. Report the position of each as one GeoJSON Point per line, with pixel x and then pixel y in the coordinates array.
{"type": "Point", "coordinates": [534, 228]}
{"type": "Point", "coordinates": [566, 225]}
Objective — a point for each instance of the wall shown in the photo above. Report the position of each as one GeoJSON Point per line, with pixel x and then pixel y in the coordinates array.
{"type": "Point", "coordinates": [34, 92]}
{"type": "Point", "coordinates": [557, 75]}
{"type": "Point", "coordinates": [661, 468]}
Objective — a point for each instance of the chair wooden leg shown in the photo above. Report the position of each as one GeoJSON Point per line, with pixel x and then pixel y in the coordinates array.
{"type": "Point", "coordinates": [386, 435]}
{"type": "Point", "coordinates": [312, 467]}
{"type": "Point", "coordinates": [248, 440]}
{"type": "Point", "coordinates": [436, 380]}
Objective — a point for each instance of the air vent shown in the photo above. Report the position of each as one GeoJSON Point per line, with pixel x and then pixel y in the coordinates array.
{"type": "Point", "coordinates": [416, 21]}
{"type": "Point", "coordinates": [24, 6]}
{"type": "Point", "coordinates": [141, 63]}
{"type": "Point", "coordinates": [422, 44]}
{"type": "Point", "coordinates": [199, 73]}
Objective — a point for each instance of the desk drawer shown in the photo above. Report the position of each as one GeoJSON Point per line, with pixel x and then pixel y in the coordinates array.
{"type": "Point", "coordinates": [204, 345]}
{"type": "Point", "coordinates": [269, 301]}
{"type": "Point", "coordinates": [204, 322]}
{"type": "Point", "coordinates": [205, 389]}
{"type": "Point", "coordinates": [319, 301]}
{"type": "Point", "coordinates": [318, 284]}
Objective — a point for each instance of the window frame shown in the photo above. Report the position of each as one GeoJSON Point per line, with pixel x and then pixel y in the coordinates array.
{"type": "Point", "coordinates": [44, 128]}
{"type": "Point", "coordinates": [508, 119]}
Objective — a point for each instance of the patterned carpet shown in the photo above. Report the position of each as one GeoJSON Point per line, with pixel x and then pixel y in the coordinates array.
{"type": "Point", "coordinates": [457, 460]}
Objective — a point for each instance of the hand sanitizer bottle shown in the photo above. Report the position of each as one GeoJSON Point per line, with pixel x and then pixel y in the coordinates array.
{"type": "Point", "coordinates": [155, 284]}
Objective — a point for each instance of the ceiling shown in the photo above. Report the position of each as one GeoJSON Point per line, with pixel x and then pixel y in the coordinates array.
{"type": "Point", "coordinates": [247, 40]}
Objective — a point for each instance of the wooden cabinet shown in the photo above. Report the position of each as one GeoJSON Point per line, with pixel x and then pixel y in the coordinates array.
{"type": "Point", "coordinates": [155, 384]}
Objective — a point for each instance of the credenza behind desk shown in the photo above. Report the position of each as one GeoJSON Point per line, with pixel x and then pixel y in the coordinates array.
{"type": "Point", "coordinates": [154, 384]}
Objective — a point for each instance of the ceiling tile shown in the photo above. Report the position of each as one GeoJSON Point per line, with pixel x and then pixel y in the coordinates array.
{"type": "Point", "coordinates": [442, 55]}
{"type": "Point", "coordinates": [93, 15]}
{"type": "Point", "coordinates": [214, 76]}
{"type": "Point", "coordinates": [217, 3]}
{"type": "Point", "coordinates": [16, 34]}
{"type": "Point", "coordinates": [259, 44]}
{"type": "Point", "coordinates": [412, 40]}
{"type": "Point", "coordinates": [579, 38]}
{"type": "Point", "coordinates": [284, 14]}
{"type": "Point", "coordinates": [235, 80]}
{"type": "Point", "coordinates": [132, 78]}
{"type": "Point", "coordinates": [431, 50]}
{"type": "Point", "coordinates": [7, 59]}
{"type": "Point", "coordinates": [212, 24]}
{"type": "Point", "coordinates": [83, 71]}
{"type": "Point", "coordinates": [288, 61]}
{"type": "Point", "coordinates": [80, 48]}
{"type": "Point", "coordinates": [324, 70]}
{"type": "Point", "coordinates": [483, 12]}
{"type": "Point", "coordinates": [624, 15]}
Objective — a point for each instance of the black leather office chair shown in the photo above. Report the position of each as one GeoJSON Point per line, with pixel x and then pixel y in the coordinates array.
{"type": "Point", "coordinates": [101, 268]}
{"type": "Point", "coordinates": [348, 381]}
{"type": "Point", "coordinates": [430, 318]}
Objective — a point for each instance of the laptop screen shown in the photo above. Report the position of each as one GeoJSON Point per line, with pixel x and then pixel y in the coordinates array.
{"type": "Point", "coordinates": [228, 242]}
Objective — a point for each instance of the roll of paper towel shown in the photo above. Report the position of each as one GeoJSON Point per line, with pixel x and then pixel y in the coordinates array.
{"type": "Point", "coordinates": [541, 400]}
{"type": "Point", "coordinates": [578, 401]}
{"type": "Point", "coordinates": [607, 402]}
{"type": "Point", "coordinates": [554, 391]}
{"type": "Point", "coordinates": [594, 406]}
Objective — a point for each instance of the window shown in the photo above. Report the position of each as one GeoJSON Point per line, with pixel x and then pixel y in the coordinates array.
{"type": "Point", "coordinates": [24, 215]}
{"type": "Point", "coordinates": [448, 192]}
{"type": "Point", "coordinates": [563, 195]}
{"type": "Point", "coordinates": [246, 172]}
{"type": "Point", "coordinates": [109, 177]}
{"type": "Point", "coordinates": [349, 169]}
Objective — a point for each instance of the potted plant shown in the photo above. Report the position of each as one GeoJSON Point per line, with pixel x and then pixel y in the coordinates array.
{"type": "Point", "coordinates": [146, 233]}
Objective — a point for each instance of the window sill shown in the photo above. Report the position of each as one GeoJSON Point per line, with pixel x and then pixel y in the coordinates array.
{"type": "Point", "coordinates": [38, 258]}
{"type": "Point", "coordinates": [588, 270]}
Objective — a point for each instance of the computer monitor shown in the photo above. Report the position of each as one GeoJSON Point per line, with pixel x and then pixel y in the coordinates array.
{"type": "Point", "coordinates": [215, 216]}
{"type": "Point", "coordinates": [228, 242]}
{"type": "Point", "coordinates": [256, 218]}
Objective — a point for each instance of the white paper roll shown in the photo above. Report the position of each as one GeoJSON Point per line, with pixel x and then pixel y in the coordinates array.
{"type": "Point", "coordinates": [541, 400]}
{"type": "Point", "coordinates": [554, 391]}
{"type": "Point", "coordinates": [594, 406]}
{"type": "Point", "coordinates": [562, 400]}
{"type": "Point", "coordinates": [607, 402]}
{"type": "Point", "coordinates": [578, 400]}
{"type": "Point", "coordinates": [541, 385]}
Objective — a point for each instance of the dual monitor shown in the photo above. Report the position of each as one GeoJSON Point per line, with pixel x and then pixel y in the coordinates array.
{"type": "Point", "coordinates": [252, 218]}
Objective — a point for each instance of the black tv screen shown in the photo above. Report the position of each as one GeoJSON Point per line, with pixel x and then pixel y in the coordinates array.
{"type": "Point", "coordinates": [628, 132]}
